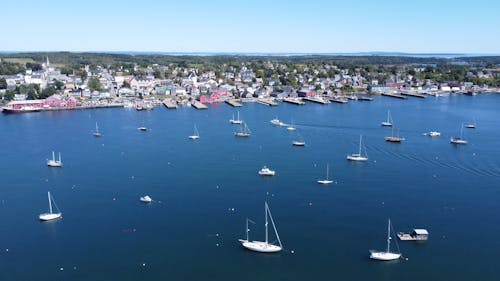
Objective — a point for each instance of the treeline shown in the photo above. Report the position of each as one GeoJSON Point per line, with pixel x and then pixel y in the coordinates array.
{"type": "Point", "coordinates": [10, 68]}
{"type": "Point", "coordinates": [76, 60]}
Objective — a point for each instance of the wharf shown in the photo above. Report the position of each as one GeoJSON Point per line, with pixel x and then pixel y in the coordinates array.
{"type": "Point", "coordinates": [412, 94]}
{"type": "Point", "coordinates": [364, 98]}
{"type": "Point", "coordinates": [111, 105]}
{"type": "Point", "coordinates": [170, 104]}
{"type": "Point", "coordinates": [339, 100]}
{"type": "Point", "coordinates": [234, 103]}
{"type": "Point", "coordinates": [199, 105]}
{"type": "Point", "coordinates": [398, 96]}
{"type": "Point", "coordinates": [268, 102]}
{"type": "Point", "coordinates": [296, 101]}
{"type": "Point", "coordinates": [316, 100]}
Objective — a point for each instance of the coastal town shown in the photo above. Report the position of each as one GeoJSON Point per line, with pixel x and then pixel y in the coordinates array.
{"type": "Point", "coordinates": [43, 86]}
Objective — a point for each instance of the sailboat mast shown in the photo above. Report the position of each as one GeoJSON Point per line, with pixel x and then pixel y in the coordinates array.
{"type": "Point", "coordinates": [327, 170]}
{"type": "Point", "coordinates": [265, 211]}
{"type": "Point", "coordinates": [274, 227]}
{"type": "Point", "coordinates": [53, 156]}
{"type": "Point", "coordinates": [59, 157]}
{"type": "Point", "coordinates": [50, 203]}
{"type": "Point", "coordinates": [247, 230]}
{"type": "Point", "coordinates": [388, 236]}
{"type": "Point", "coordinates": [360, 145]}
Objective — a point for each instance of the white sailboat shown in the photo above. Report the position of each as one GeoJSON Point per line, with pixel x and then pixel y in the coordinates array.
{"type": "Point", "coordinates": [358, 156]}
{"type": "Point", "coordinates": [327, 180]}
{"type": "Point", "coordinates": [386, 255]}
{"type": "Point", "coordinates": [388, 123]}
{"type": "Point", "coordinates": [96, 132]}
{"type": "Point", "coordinates": [195, 135]}
{"type": "Point", "coordinates": [459, 140]}
{"type": "Point", "coordinates": [291, 127]}
{"type": "Point", "coordinates": [471, 125]}
{"type": "Point", "coordinates": [50, 215]}
{"type": "Point", "coordinates": [236, 121]}
{"type": "Point", "coordinates": [243, 132]}
{"type": "Point", "coordinates": [299, 141]}
{"type": "Point", "coordinates": [53, 162]}
{"type": "Point", "coordinates": [262, 246]}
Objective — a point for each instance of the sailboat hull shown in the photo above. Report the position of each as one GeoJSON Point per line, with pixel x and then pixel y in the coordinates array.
{"type": "Point", "coordinates": [356, 157]}
{"type": "Point", "coordinates": [260, 246]}
{"type": "Point", "coordinates": [54, 163]}
{"type": "Point", "coordinates": [386, 124]}
{"type": "Point", "coordinates": [384, 256]}
{"type": "Point", "coordinates": [49, 216]}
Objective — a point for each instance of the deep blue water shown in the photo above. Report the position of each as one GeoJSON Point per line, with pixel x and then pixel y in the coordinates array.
{"type": "Point", "coordinates": [191, 233]}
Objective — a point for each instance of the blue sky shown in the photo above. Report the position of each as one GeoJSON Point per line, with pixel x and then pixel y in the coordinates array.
{"type": "Point", "coordinates": [309, 26]}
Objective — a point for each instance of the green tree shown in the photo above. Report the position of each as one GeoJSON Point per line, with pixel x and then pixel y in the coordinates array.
{"type": "Point", "coordinates": [94, 84]}
{"type": "Point", "coordinates": [3, 83]}
{"type": "Point", "coordinates": [47, 92]}
{"type": "Point", "coordinates": [59, 85]}
{"type": "Point", "coordinates": [66, 71]}
{"type": "Point", "coordinates": [33, 66]}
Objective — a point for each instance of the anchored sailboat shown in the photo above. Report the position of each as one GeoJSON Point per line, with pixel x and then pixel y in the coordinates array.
{"type": "Point", "coordinates": [358, 156]}
{"type": "Point", "coordinates": [459, 140]}
{"type": "Point", "coordinates": [392, 138]}
{"type": "Point", "coordinates": [195, 135]}
{"type": "Point", "coordinates": [236, 121]}
{"type": "Point", "coordinates": [385, 255]}
{"type": "Point", "coordinates": [50, 215]}
{"type": "Point", "coordinates": [96, 132]}
{"type": "Point", "coordinates": [327, 180]}
{"type": "Point", "coordinates": [53, 162]}
{"type": "Point", "coordinates": [388, 123]}
{"type": "Point", "coordinates": [262, 246]}
{"type": "Point", "coordinates": [243, 132]}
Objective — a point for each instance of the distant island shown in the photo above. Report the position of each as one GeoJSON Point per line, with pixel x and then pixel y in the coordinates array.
{"type": "Point", "coordinates": [75, 80]}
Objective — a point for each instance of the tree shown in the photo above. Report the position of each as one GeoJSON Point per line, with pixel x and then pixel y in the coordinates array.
{"type": "Point", "coordinates": [3, 83]}
{"type": "Point", "coordinates": [47, 92]}
{"type": "Point", "coordinates": [66, 71]}
{"type": "Point", "coordinates": [33, 66]}
{"type": "Point", "coordinates": [59, 85]}
{"type": "Point", "coordinates": [126, 84]}
{"type": "Point", "coordinates": [94, 84]}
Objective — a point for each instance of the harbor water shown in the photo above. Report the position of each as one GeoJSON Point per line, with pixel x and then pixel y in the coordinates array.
{"type": "Point", "coordinates": [203, 190]}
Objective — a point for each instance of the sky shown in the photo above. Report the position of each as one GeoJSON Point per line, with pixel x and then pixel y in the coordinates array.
{"type": "Point", "coordinates": [252, 26]}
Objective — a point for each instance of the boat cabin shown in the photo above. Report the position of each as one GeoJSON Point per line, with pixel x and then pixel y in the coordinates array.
{"type": "Point", "coordinates": [418, 234]}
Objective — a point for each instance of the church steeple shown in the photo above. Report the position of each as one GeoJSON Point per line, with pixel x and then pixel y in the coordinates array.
{"type": "Point", "coordinates": [48, 63]}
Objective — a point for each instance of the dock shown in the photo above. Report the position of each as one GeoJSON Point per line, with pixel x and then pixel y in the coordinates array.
{"type": "Point", "coordinates": [199, 105]}
{"type": "Point", "coordinates": [364, 98]}
{"type": "Point", "coordinates": [316, 100]}
{"type": "Point", "coordinates": [268, 102]}
{"type": "Point", "coordinates": [170, 104]}
{"type": "Point", "coordinates": [339, 100]}
{"type": "Point", "coordinates": [296, 101]}
{"type": "Point", "coordinates": [234, 103]}
{"type": "Point", "coordinates": [398, 96]}
{"type": "Point", "coordinates": [413, 94]}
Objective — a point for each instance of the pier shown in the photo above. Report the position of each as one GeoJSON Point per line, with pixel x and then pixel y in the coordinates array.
{"type": "Point", "coordinates": [170, 104]}
{"type": "Point", "coordinates": [199, 105]}
{"type": "Point", "coordinates": [398, 96]}
{"type": "Point", "coordinates": [234, 103]}
{"type": "Point", "coordinates": [316, 100]}
{"type": "Point", "coordinates": [413, 94]}
{"type": "Point", "coordinates": [296, 101]}
{"type": "Point", "coordinates": [339, 100]}
{"type": "Point", "coordinates": [268, 102]}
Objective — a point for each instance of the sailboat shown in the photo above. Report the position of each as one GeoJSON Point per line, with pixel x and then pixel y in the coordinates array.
{"type": "Point", "coordinates": [357, 156]}
{"type": "Point", "coordinates": [50, 215]}
{"type": "Point", "coordinates": [243, 132]}
{"type": "Point", "coordinates": [236, 121]}
{"type": "Point", "coordinates": [388, 123]}
{"type": "Point", "coordinates": [386, 255]}
{"type": "Point", "coordinates": [471, 125]}
{"type": "Point", "coordinates": [291, 127]}
{"type": "Point", "coordinates": [392, 138]}
{"type": "Point", "coordinates": [262, 246]}
{"type": "Point", "coordinates": [53, 162]}
{"type": "Point", "coordinates": [327, 180]}
{"type": "Point", "coordinates": [459, 140]}
{"type": "Point", "coordinates": [195, 135]}
{"type": "Point", "coordinates": [96, 132]}
{"type": "Point", "coordinates": [299, 141]}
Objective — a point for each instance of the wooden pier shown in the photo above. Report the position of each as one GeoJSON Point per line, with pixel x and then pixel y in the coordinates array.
{"type": "Point", "coordinates": [234, 103]}
{"type": "Point", "coordinates": [170, 104]}
{"type": "Point", "coordinates": [316, 100]}
{"type": "Point", "coordinates": [268, 102]}
{"type": "Point", "coordinates": [398, 96]}
{"type": "Point", "coordinates": [339, 100]}
{"type": "Point", "coordinates": [199, 105]}
{"type": "Point", "coordinates": [296, 101]}
{"type": "Point", "coordinates": [413, 94]}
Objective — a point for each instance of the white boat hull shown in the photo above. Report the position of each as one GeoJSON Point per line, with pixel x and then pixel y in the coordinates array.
{"type": "Point", "coordinates": [386, 124]}
{"type": "Point", "coordinates": [241, 134]}
{"type": "Point", "coordinates": [194, 137]}
{"type": "Point", "coordinates": [325, 181]}
{"type": "Point", "coordinates": [52, 163]}
{"type": "Point", "coordinates": [259, 246]}
{"type": "Point", "coordinates": [236, 121]}
{"type": "Point", "coordinates": [458, 141]}
{"type": "Point", "coordinates": [299, 143]}
{"type": "Point", "coordinates": [356, 157]}
{"type": "Point", "coordinates": [49, 216]}
{"type": "Point", "coordinates": [384, 256]}
{"type": "Point", "coordinates": [146, 199]}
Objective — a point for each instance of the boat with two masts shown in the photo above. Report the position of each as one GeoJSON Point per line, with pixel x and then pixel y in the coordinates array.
{"type": "Point", "coordinates": [53, 162]}
{"type": "Point", "coordinates": [262, 246]}
{"type": "Point", "coordinates": [388, 123]}
{"type": "Point", "coordinates": [237, 120]}
{"type": "Point", "coordinates": [243, 132]}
